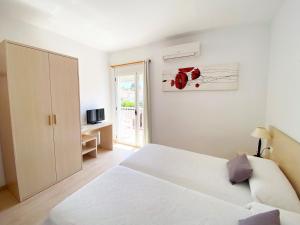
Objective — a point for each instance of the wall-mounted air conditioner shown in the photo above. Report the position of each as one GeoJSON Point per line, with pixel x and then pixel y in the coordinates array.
{"type": "Point", "coordinates": [180, 51]}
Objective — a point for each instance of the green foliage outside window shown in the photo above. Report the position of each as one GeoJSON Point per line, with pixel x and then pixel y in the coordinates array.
{"type": "Point", "coordinates": [126, 103]}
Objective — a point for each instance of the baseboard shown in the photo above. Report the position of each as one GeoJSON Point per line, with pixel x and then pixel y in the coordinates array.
{"type": "Point", "coordinates": [3, 188]}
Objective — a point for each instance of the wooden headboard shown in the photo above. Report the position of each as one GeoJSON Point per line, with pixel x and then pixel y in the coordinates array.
{"type": "Point", "coordinates": [286, 153]}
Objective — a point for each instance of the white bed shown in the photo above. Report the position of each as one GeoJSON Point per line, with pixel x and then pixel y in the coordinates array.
{"type": "Point", "coordinates": [198, 172]}
{"type": "Point", "coordinates": [123, 196]}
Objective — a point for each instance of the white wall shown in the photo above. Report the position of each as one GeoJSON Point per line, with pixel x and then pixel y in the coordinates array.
{"type": "Point", "coordinates": [217, 122]}
{"type": "Point", "coordinates": [93, 70]}
{"type": "Point", "coordinates": [283, 108]}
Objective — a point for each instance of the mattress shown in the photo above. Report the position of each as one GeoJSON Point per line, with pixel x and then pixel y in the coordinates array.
{"type": "Point", "coordinates": [196, 171]}
{"type": "Point", "coordinates": [123, 196]}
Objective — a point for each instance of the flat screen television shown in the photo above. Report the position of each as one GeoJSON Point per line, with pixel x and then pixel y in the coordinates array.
{"type": "Point", "coordinates": [94, 116]}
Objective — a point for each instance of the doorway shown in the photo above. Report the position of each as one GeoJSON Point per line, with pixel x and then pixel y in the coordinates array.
{"type": "Point", "coordinates": [129, 100]}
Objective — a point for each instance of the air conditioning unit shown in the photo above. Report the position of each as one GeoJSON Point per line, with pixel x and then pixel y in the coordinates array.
{"type": "Point", "coordinates": [181, 51]}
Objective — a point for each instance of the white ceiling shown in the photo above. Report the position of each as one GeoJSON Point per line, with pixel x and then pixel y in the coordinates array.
{"type": "Point", "coordinates": [112, 25]}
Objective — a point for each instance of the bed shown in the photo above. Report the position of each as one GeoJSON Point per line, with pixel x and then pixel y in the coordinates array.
{"type": "Point", "coordinates": [196, 171]}
{"type": "Point", "coordinates": [160, 185]}
{"type": "Point", "coordinates": [123, 196]}
{"type": "Point", "coordinates": [275, 181]}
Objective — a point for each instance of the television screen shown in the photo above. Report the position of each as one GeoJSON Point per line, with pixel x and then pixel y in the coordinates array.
{"type": "Point", "coordinates": [95, 116]}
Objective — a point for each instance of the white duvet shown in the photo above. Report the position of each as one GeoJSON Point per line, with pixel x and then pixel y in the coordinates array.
{"type": "Point", "coordinates": [199, 172]}
{"type": "Point", "coordinates": [123, 196]}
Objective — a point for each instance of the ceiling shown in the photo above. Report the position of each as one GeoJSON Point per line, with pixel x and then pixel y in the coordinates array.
{"type": "Point", "coordinates": [112, 25]}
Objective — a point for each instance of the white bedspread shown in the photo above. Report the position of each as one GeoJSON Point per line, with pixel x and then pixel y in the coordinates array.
{"type": "Point", "coordinates": [123, 196]}
{"type": "Point", "coordinates": [199, 172]}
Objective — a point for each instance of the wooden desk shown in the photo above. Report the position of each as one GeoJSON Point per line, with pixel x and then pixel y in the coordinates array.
{"type": "Point", "coordinates": [105, 129]}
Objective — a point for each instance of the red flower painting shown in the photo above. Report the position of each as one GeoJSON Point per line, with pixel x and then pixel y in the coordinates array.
{"type": "Point", "coordinates": [202, 78]}
{"type": "Point", "coordinates": [183, 76]}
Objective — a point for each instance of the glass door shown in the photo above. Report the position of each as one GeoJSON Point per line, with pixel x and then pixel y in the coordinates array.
{"type": "Point", "coordinates": [130, 108]}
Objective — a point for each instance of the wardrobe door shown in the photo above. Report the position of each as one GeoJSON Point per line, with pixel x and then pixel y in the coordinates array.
{"type": "Point", "coordinates": [66, 111]}
{"type": "Point", "coordinates": [29, 93]}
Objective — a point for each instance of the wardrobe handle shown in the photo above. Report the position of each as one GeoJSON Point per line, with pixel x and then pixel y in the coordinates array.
{"type": "Point", "coordinates": [54, 119]}
{"type": "Point", "coordinates": [50, 120]}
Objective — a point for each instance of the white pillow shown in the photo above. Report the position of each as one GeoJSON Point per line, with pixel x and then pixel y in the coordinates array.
{"type": "Point", "coordinates": [286, 217]}
{"type": "Point", "coordinates": [269, 185]}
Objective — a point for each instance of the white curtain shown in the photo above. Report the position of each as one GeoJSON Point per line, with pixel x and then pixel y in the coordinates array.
{"type": "Point", "coordinates": [147, 102]}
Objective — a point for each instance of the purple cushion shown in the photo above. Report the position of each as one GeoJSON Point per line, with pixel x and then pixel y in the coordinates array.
{"type": "Point", "coordinates": [266, 218]}
{"type": "Point", "coordinates": [239, 169]}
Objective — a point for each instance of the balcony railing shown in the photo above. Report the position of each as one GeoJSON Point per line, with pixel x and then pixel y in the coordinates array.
{"type": "Point", "coordinates": [129, 116]}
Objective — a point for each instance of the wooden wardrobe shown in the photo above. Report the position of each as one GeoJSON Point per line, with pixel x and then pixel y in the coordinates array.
{"type": "Point", "coordinates": [39, 118]}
